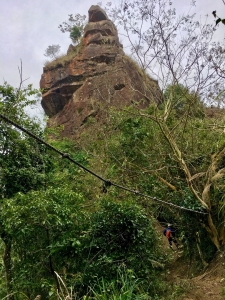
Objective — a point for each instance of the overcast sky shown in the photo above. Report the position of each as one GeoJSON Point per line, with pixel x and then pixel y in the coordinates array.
{"type": "Point", "coordinates": [28, 27]}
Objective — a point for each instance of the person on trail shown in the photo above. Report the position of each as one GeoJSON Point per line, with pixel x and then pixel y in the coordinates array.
{"type": "Point", "coordinates": [169, 232]}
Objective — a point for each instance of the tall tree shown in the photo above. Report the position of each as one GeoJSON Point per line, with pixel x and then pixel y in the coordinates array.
{"type": "Point", "coordinates": [174, 49]}
{"type": "Point", "coordinates": [22, 159]}
{"type": "Point", "coordinates": [180, 51]}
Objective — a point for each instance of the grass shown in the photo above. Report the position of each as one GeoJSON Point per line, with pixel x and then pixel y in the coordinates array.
{"type": "Point", "coordinates": [124, 287]}
{"type": "Point", "coordinates": [60, 61]}
{"type": "Point", "coordinates": [63, 59]}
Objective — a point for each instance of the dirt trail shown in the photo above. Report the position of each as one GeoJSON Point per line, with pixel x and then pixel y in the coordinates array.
{"type": "Point", "coordinates": [210, 285]}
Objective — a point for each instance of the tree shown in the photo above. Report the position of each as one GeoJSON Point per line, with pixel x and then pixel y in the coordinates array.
{"type": "Point", "coordinates": [176, 50]}
{"type": "Point", "coordinates": [184, 102]}
{"type": "Point", "coordinates": [47, 223]}
{"type": "Point", "coordinates": [52, 51]}
{"type": "Point", "coordinates": [43, 225]}
{"type": "Point", "coordinates": [22, 160]}
{"type": "Point", "coordinates": [173, 49]}
{"type": "Point", "coordinates": [75, 34]}
{"type": "Point", "coordinates": [75, 26]}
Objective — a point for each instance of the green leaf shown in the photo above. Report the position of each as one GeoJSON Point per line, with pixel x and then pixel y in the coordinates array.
{"type": "Point", "coordinates": [218, 20]}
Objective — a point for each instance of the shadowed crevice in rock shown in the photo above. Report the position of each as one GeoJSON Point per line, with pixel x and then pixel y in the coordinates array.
{"type": "Point", "coordinates": [96, 77]}
{"type": "Point", "coordinates": [91, 114]}
{"type": "Point", "coordinates": [119, 86]}
{"type": "Point", "coordinates": [68, 80]}
{"type": "Point", "coordinates": [96, 14]}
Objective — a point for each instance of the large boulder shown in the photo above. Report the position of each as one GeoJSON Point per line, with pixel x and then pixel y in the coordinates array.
{"type": "Point", "coordinates": [93, 76]}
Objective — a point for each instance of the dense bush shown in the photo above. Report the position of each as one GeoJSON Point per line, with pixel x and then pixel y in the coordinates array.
{"type": "Point", "coordinates": [121, 235]}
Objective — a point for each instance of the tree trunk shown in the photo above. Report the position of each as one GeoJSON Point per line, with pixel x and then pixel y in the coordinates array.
{"type": "Point", "coordinates": [8, 264]}
{"type": "Point", "coordinates": [213, 174]}
{"type": "Point", "coordinates": [51, 264]}
{"type": "Point", "coordinates": [205, 264]}
{"type": "Point", "coordinates": [213, 233]}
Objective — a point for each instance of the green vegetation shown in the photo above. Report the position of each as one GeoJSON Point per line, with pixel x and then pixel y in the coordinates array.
{"type": "Point", "coordinates": [75, 34]}
{"type": "Point", "coordinates": [60, 61]}
{"type": "Point", "coordinates": [52, 223]}
{"type": "Point", "coordinates": [56, 221]}
{"type": "Point", "coordinates": [75, 26]}
{"type": "Point", "coordinates": [66, 235]}
{"type": "Point", "coordinates": [218, 20]}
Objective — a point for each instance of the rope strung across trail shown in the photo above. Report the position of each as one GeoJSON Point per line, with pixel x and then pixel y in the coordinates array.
{"type": "Point", "coordinates": [107, 183]}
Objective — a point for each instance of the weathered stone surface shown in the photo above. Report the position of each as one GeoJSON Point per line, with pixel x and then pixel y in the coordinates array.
{"type": "Point", "coordinates": [96, 14]}
{"type": "Point", "coordinates": [98, 76]}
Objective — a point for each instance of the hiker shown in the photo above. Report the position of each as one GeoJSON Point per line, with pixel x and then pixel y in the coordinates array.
{"type": "Point", "coordinates": [169, 232]}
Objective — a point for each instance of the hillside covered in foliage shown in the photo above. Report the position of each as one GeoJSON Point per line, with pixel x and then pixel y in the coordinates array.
{"type": "Point", "coordinates": [82, 216]}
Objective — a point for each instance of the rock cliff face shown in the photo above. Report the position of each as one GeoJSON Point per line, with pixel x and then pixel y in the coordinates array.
{"type": "Point", "coordinates": [94, 76]}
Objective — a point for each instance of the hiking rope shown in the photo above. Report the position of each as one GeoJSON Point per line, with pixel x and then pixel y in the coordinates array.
{"type": "Point", "coordinates": [107, 183]}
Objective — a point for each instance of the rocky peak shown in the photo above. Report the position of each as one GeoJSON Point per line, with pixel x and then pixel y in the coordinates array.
{"type": "Point", "coordinates": [100, 30]}
{"type": "Point", "coordinates": [95, 75]}
{"type": "Point", "coordinates": [96, 14]}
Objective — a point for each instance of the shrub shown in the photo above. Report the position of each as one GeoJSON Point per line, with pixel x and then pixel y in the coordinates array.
{"type": "Point", "coordinates": [120, 236]}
